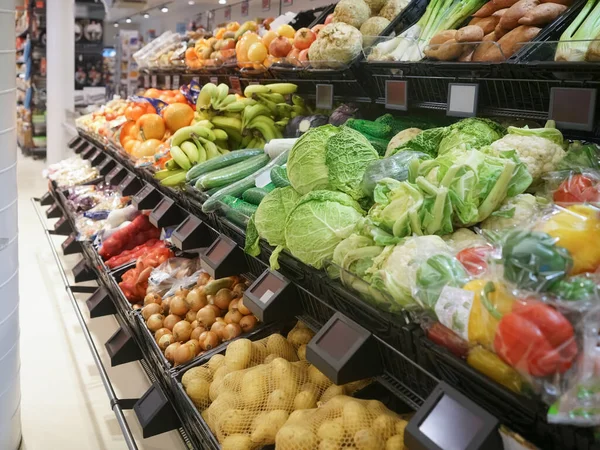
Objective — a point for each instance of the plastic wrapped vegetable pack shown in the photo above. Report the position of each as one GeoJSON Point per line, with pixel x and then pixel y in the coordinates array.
{"type": "Point", "coordinates": [249, 393]}
{"type": "Point", "coordinates": [343, 422]}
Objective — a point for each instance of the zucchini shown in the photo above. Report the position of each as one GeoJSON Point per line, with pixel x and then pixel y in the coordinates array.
{"type": "Point", "coordinates": [254, 195]}
{"type": "Point", "coordinates": [241, 186]}
{"type": "Point", "coordinates": [231, 174]}
{"type": "Point", "coordinates": [279, 176]}
{"type": "Point", "coordinates": [221, 161]}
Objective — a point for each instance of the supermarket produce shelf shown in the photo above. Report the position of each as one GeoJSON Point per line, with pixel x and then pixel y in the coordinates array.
{"type": "Point", "coordinates": [413, 365]}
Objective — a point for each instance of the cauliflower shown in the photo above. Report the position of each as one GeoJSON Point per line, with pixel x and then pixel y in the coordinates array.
{"type": "Point", "coordinates": [337, 42]}
{"type": "Point", "coordinates": [375, 5]}
{"type": "Point", "coordinates": [392, 8]}
{"type": "Point", "coordinates": [373, 27]}
{"type": "Point", "coordinates": [539, 154]}
{"type": "Point", "coordinates": [514, 212]}
{"type": "Point", "coordinates": [464, 238]}
{"type": "Point", "coordinates": [351, 12]}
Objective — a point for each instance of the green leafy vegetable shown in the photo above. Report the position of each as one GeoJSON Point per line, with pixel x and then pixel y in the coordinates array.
{"type": "Point", "coordinates": [348, 154]}
{"type": "Point", "coordinates": [580, 157]}
{"type": "Point", "coordinates": [427, 141]}
{"type": "Point", "coordinates": [471, 133]}
{"type": "Point", "coordinates": [318, 223]}
{"type": "Point", "coordinates": [306, 166]}
{"type": "Point", "coordinates": [576, 289]}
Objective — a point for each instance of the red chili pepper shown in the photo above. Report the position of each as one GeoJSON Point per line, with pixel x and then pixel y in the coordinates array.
{"type": "Point", "coordinates": [577, 189]}
{"type": "Point", "coordinates": [445, 337]}
{"type": "Point", "coordinates": [536, 339]}
{"type": "Point", "coordinates": [474, 259]}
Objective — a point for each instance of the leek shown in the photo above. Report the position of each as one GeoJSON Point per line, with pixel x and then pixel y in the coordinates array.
{"type": "Point", "coordinates": [574, 43]}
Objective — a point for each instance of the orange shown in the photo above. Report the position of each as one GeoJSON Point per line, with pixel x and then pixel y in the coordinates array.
{"type": "Point", "coordinates": [179, 98]}
{"type": "Point", "coordinates": [131, 145]}
{"type": "Point", "coordinates": [178, 115]}
{"type": "Point", "coordinates": [146, 148]}
{"type": "Point", "coordinates": [152, 126]}
{"type": "Point", "coordinates": [129, 130]}
{"type": "Point", "coordinates": [152, 93]}
{"type": "Point", "coordinates": [136, 110]}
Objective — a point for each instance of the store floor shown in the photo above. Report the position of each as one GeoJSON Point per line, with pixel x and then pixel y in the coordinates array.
{"type": "Point", "coordinates": [64, 404]}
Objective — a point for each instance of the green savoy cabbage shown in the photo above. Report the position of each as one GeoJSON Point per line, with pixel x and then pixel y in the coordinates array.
{"type": "Point", "coordinates": [318, 223]}
{"type": "Point", "coordinates": [306, 166]}
{"type": "Point", "coordinates": [470, 133]}
{"type": "Point", "coordinates": [347, 157]}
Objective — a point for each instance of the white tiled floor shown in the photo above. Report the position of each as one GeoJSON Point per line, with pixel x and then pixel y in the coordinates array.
{"type": "Point", "coordinates": [64, 404]}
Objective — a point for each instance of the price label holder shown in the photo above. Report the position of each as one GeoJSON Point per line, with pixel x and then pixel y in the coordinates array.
{"type": "Point", "coordinates": [155, 413]}
{"type": "Point", "coordinates": [272, 297]}
{"type": "Point", "coordinates": [192, 233]}
{"type": "Point", "coordinates": [121, 348]}
{"type": "Point", "coordinates": [54, 212]}
{"type": "Point", "coordinates": [47, 199]}
{"type": "Point", "coordinates": [324, 96]}
{"type": "Point", "coordinates": [100, 304]}
{"type": "Point", "coordinates": [146, 198]}
{"type": "Point", "coordinates": [62, 227]}
{"type": "Point", "coordinates": [564, 112]}
{"type": "Point", "coordinates": [130, 184]}
{"type": "Point", "coordinates": [82, 272]}
{"type": "Point", "coordinates": [396, 95]}
{"type": "Point", "coordinates": [97, 158]}
{"type": "Point", "coordinates": [344, 351]}
{"type": "Point", "coordinates": [74, 142]}
{"type": "Point", "coordinates": [116, 175]}
{"type": "Point", "coordinates": [71, 245]}
{"type": "Point", "coordinates": [81, 146]}
{"type": "Point", "coordinates": [235, 84]}
{"type": "Point", "coordinates": [176, 81]}
{"type": "Point", "coordinates": [223, 259]}
{"type": "Point", "coordinates": [88, 152]}
{"type": "Point", "coordinates": [166, 214]}
{"type": "Point", "coordinates": [154, 82]}
{"type": "Point", "coordinates": [214, 80]}
{"type": "Point", "coordinates": [167, 81]}
{"type": "Point", "coordinates": [448, 419]}
{"type": "Point", "coordinates": [146, 81]}
{"type": "Point", "coordinates": [462, 99]}
{"type": "Point", "coordinates": [106, 166]}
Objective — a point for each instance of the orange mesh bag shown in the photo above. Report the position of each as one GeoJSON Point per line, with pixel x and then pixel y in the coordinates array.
{"type": "Point", "coordinates": [343, 423]}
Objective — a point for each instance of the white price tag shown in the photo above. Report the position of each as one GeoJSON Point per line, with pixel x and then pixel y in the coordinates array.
{"type": "Point", "coordinates": [324, 96]}
{"type": "Point", "coordinates": [396, 95]}
{"type": "Point", "coordinates": [234, 83]}
{"type": "Point", "coordinates": [176, 81]}
{"type": "Point", "coordinates": [167, 81]}
{"type": "Point", "coordinates": [154, 82]}
{"type": "Point", "coordinates": [462, 99]}
{"type": "Point", "coordinates": [267, 296]}
{"type": "Point", "coordinates": [562, 110]}
{"type": "Point", "coordinates": [214, 80]}
{"type": "Point", "coordinates": [146, 81]}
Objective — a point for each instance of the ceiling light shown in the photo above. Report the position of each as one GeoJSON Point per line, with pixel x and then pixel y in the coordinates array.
{"type": "Point", "coordinates": [146, 15]}
{"type": "Point", "coordinates": [222, 2]}
{"type": "Point", "coordinates": [164, 9]}
{"type": "Point", "coordinates": [116, 25]}
{"type": "Point", "coordinates": [128, 20]}
{"type": "Point", "coordinates": [191, 2]}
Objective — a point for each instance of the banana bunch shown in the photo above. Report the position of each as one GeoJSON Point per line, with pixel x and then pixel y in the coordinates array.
{"type": "Point", "coordinates": [251, 120]}
{"type": "Point", "coordinates": [190, 146]}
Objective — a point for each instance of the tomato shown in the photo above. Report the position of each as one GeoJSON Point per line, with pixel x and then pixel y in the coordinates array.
{"type": "Point", "coordinates": [578, 189]}
{"type": "Point", "coordinates": [474, 259]}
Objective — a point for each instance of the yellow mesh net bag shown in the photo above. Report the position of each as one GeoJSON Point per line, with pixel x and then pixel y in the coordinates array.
{"type": "Point", "coordinates": [246, 395]}
{"type": "Point", "coordinates": [343, 423]}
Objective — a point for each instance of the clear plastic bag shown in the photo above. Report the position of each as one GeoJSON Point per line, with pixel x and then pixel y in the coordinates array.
{"type": "Point", "coordinates": [173, 274]}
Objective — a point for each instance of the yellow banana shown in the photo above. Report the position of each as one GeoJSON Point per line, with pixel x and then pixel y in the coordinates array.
{"type": "Point", "coordinates": [220, 135]}
{"type": "Point", "coordinates": [191, 151]}
{"type": "Point", "coordinates": [205, 96]}
{"type": "Point", "coordinates": [235, 107]}
{"type": "Point", "coordinates": [282, 88]}
{"type": "Point", "coordinates": [223, 92]}
{"type": "Point", "coordinates": [180, 157]}
{"type": "Point", "coordinates": [254, 111]}
{"type": "Point", "coordinates": [226, 123]}
{"type": "Point", "coordinates": [205, 123]}
{"type": "Point", "coordinates": [252, 89]}
{"type": "Point", "coordinates": [275, 98]}
{"type": "Point", "coordinates": [185, 134]}
{"type": "Point", "coordinates": [211, 149]}
{"type": "Point", "coordinates": [266, 127]}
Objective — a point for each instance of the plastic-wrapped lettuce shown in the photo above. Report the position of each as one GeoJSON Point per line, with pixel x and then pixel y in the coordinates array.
{"type": "Point", "coordinates": [398, 167]}
{"type": "Point", "coordinates": [318, 223]}
{"type": "Point", "coordinates": [268, 222]}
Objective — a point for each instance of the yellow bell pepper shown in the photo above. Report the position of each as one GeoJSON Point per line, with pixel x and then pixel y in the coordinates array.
{"type": "Point", "coordinates": [483, 320]}
{"type": "Point", "coordinates": [577, 228]}
{"type": "Point", "coordinates": [491, 365]}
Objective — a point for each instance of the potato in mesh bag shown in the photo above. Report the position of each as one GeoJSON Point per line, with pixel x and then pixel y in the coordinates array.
{"type": "Point", "coordinates": [299, 337]}
{"type": "Point", "coordinates": [343, 422]}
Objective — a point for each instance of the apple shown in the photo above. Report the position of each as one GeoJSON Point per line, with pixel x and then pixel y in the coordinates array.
{"type": "Point", "coordinates": [303, 56]}
{"type": "Point", "coordinates": [303, 38]}
{"type": "Point", "coordinates": [317, 28]}
{"type": "Point", "coordinates": [280, 47]}
{"type": "Point", "coordinates": [329, 19]}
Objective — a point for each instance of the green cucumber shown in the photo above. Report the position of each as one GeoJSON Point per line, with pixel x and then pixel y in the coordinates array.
{"type": "Point", "coordinates": [221, 161]}
{"type": "Point", "coordinates": [231, 174]}
{"type": "Point", "coordinates": [238, 188]}
{"type": "Point", "coordinates": [270, 187]}
{"type": "Point", "coordinates": [254, 195]}
{"type": "Point", "coordinates": [237, 218]}
{"type": "Point", "coordinates": [279, 176]}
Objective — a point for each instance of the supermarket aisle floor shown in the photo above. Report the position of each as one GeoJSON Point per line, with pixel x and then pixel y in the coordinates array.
{"type": "Point", "coordinates": [64, 404]}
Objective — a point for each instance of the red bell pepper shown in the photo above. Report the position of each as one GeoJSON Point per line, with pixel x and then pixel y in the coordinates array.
{"type": "Point", "coordinates": [578, 189]}
{"type": "Point", "coordinates": [536, 339]}
{"type": "Point", "coordinates": [474, 259]}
